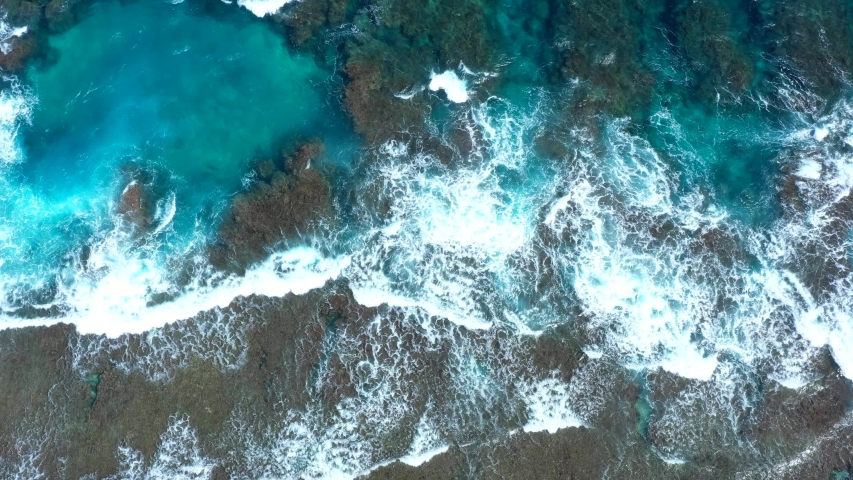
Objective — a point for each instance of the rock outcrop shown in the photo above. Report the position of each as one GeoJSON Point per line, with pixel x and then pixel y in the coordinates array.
{"type": "Point", "coordinates": [289, 200]}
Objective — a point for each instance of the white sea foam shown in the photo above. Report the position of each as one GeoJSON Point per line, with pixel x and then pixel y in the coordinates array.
{"type": "Point", "coordinates": [647, 300]}
{"type": "Point", "coordinates": [425, 445]}
{"type": "Point", "coordinates": [165, 212]}
{"type": "Point", "coordinates": [374, 297]}
{"type": "Point", "coordinates": [418, 459]}
{"type": "Point", "coordinates": [409, 93]}
{"type": "Point", "coordinates": [456, 88]}
{"type": "Point", "coordinates": [114, 299]}
{"type": "Point", "coordinates": [7, 33]}
{"type": "Point", "coordinates": [178, 456]}
{"type": "Point", "coordinates": [548, 407]}
{"type": "Point", "coordinates": [262, 8]}
{"type": "Point", "coordinates": [652, 315]}
{"type": "Point", "coordinates": [16, 104]}
{"type": "Point", "coordinates": [450, 230]}
{"type": "Point", "coordinates": [809, 169]}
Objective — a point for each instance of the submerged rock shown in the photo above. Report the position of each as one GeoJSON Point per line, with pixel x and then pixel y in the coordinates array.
{"type": "Point", "coordinates": [815, 39]}
{"type": "Point", "coordinates": [608, 65]}
{"type": "Point", "coordinates": [135, 207]}
{"type": "Point", "coordinates": [723, 68]}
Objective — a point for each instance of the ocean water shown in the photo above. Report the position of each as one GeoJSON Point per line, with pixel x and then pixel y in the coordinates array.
{"type": "Point", "coordinates": [695, 231]}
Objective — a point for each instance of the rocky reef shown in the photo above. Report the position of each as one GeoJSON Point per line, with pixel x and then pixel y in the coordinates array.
{"type": "Point", "coordinates": [289, 199]}
{"type": "Point", "coordinates": [27, 26]}
{"type": "Point", "coordinates": [136, 206]}
{"type": "Point", "coordinates": [88, 405]}
{"type": "Point", "coordinates": [389, 52]}
{"type": "Point", "coordinates": [94, 399]}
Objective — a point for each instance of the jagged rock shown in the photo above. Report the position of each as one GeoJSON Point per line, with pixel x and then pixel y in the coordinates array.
{"type": "Point", "coordinates": [789, 421]}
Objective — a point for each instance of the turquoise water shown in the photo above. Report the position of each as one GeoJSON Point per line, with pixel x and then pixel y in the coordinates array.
{"type": "Point", "coordinates": [188, 94]}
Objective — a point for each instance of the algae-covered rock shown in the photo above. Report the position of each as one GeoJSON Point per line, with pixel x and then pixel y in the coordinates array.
{"type": "Point", "coordinates": [721, 63]}
{"type": "Point", "coordinates": [306, 21]}
{"type": "Point", "coordinates": [17, 51]}
{"type": "Point", "coordinates": [390, 49]}
{"type": "Point", "coordinates": [291, 203]}
{"type": "Point", "coordinates": [604, 53]}
{"type": "Point", "coordinates": [42, 401]}
{"type": "Point", "coordinates": [28, 25]}
{"type": "Point", "coordinates": [815, 38]}
{"type": "Point", "coordinates": [84, 419]}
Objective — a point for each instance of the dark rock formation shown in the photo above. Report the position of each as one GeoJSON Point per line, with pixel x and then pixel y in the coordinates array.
{"type": "Point", "coordinates": [371, 102]}
{"type": "Point", "coordinates": [306, 21]}
{"type": "Point", "coordinates": [390, 49]}
{"type": "Point", "coordinates": [284, 204]}
{"type": "Point", "coordinates": [722, 66]}
{"type": "Point", "coordinates": [815, 39]}
{"type": "Point", "coordinates": [142, 187]}
{"type": "Point", "coordinates": [790, 421]}
{"type": "Point", "coordinates": [40, 18]}
{"type": "Point", "coordinates": [603, 52]}
{"type": "Point", "coordinates": [136, 207]}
